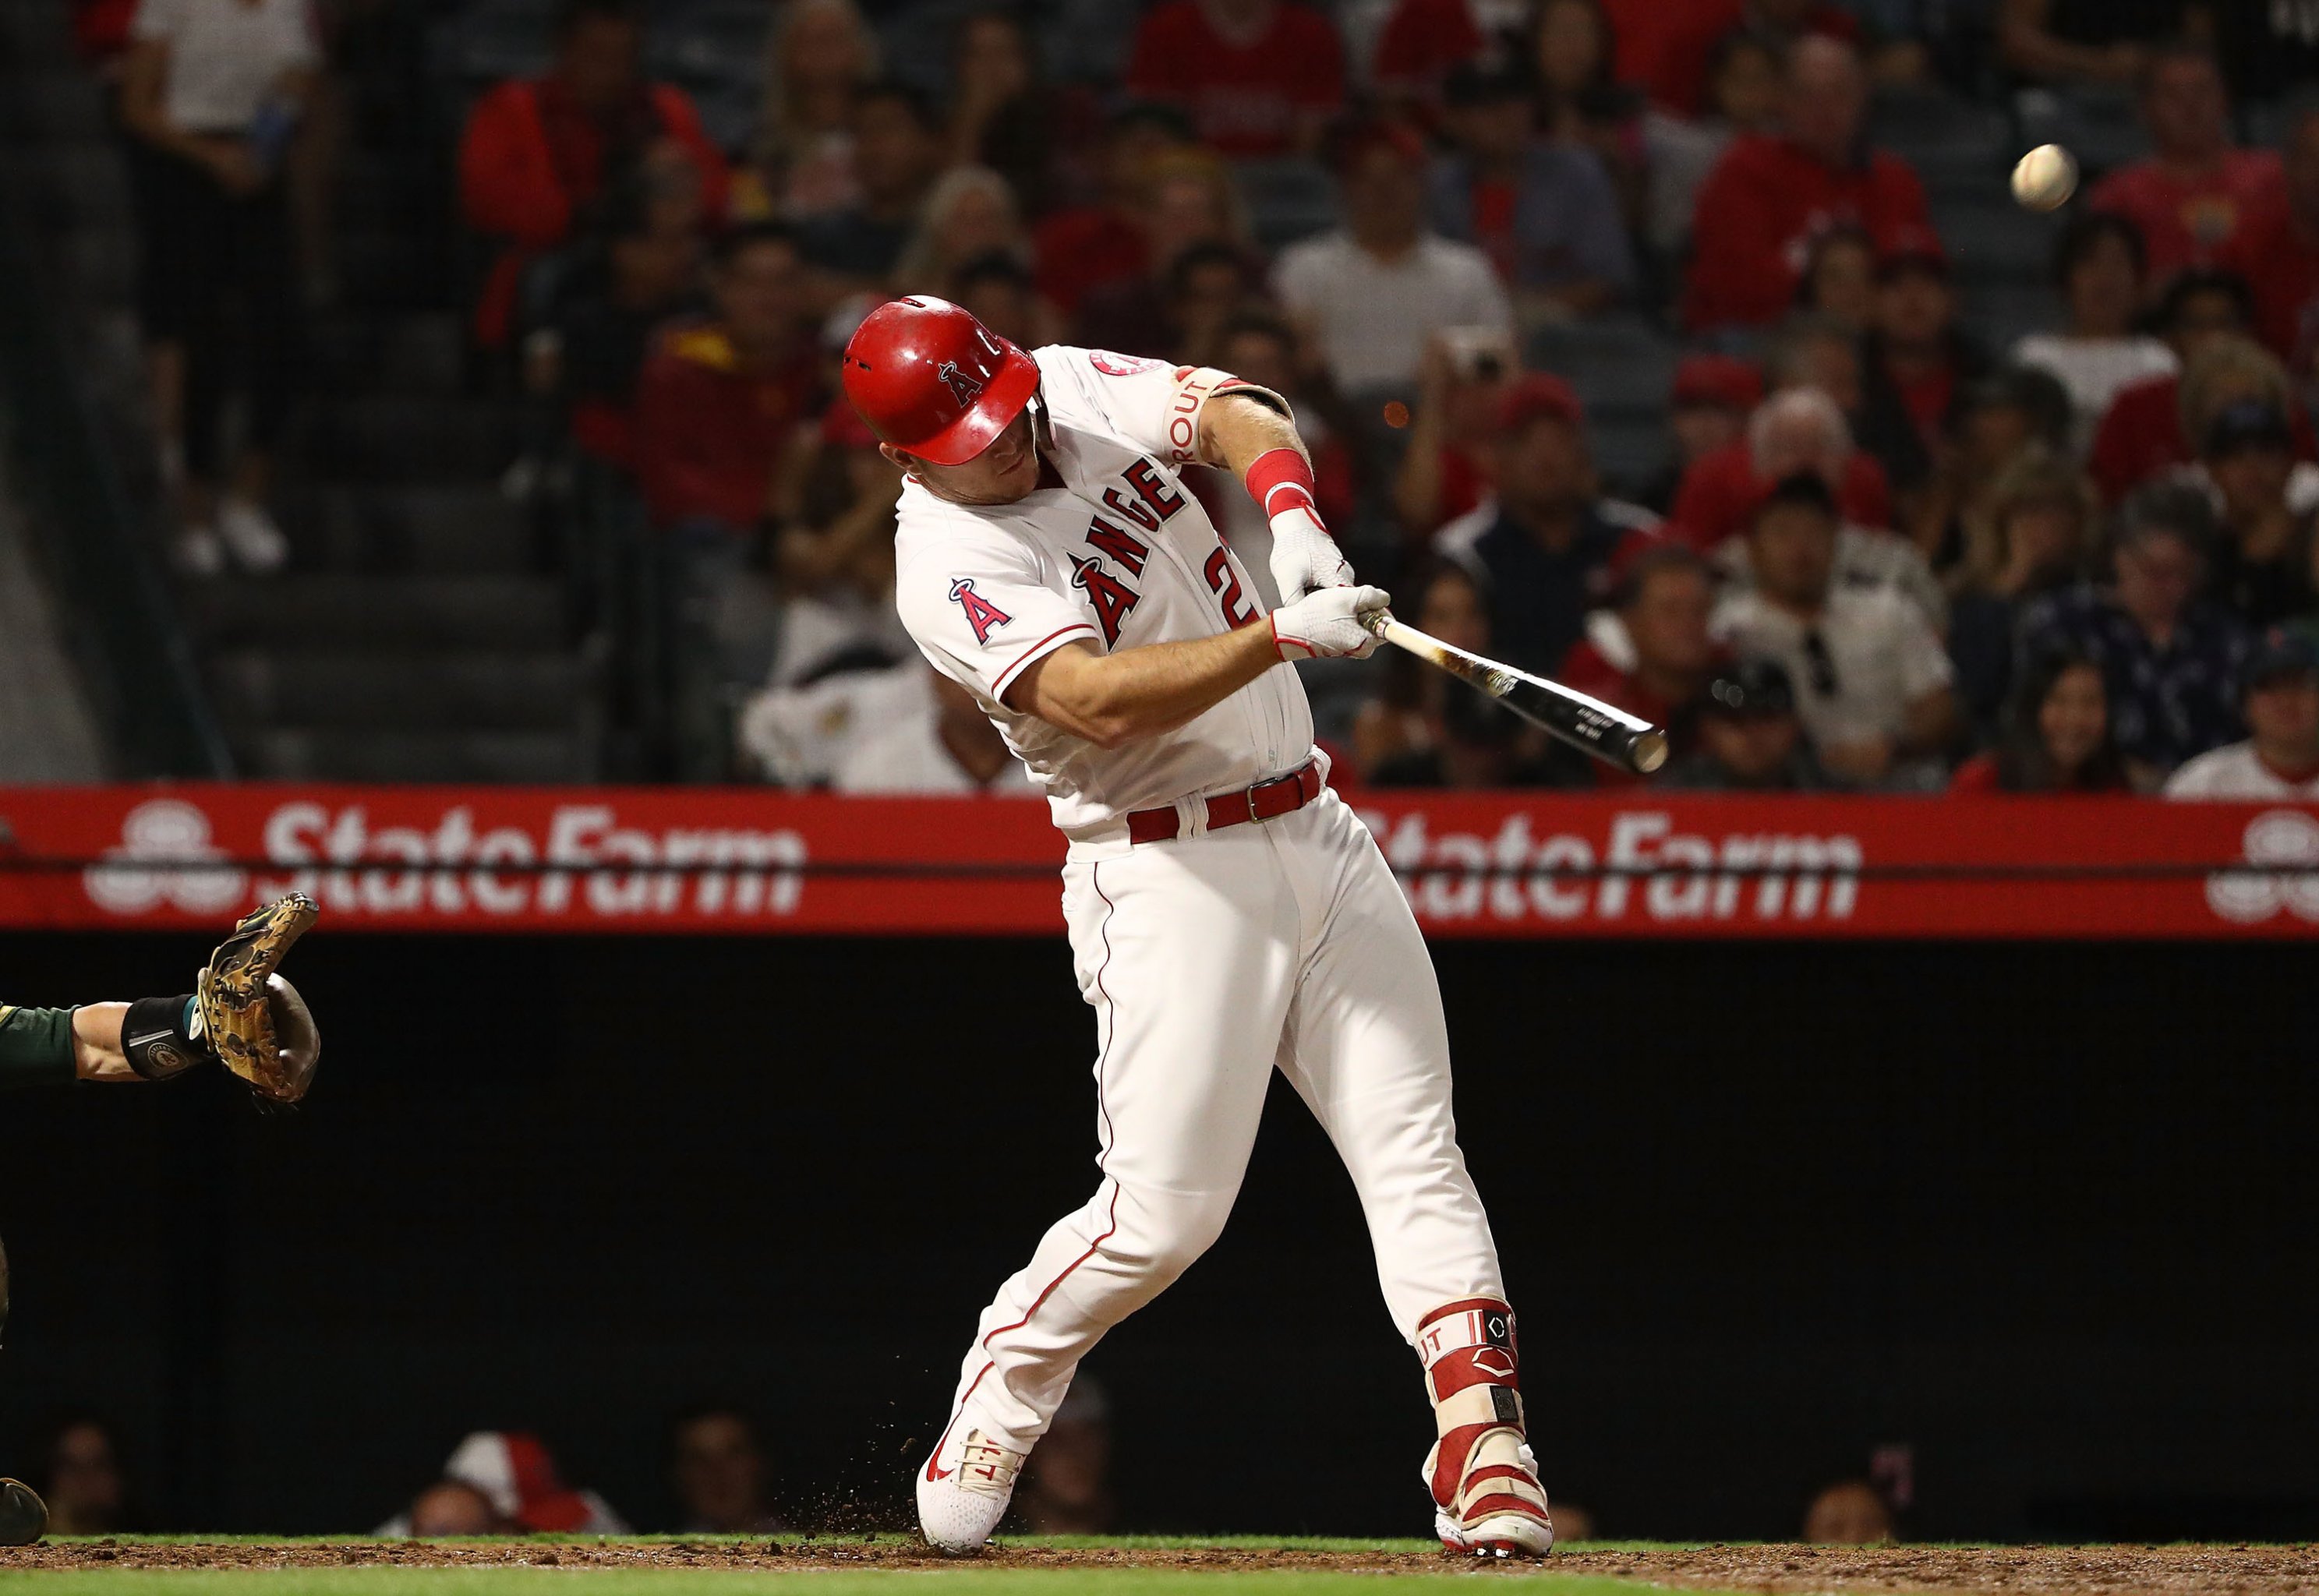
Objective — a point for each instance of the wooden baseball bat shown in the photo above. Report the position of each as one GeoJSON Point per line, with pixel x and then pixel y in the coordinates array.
{"type": "Point", "coordinates": [1588, 725]}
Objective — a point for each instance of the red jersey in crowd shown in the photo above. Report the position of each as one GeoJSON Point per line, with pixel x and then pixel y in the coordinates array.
{"type": "Point", "coordinates": [2185, 220]}
{"type": "Point", "coordinates": [2280, 262]}
{"type": "Point", "coordinates": [1720, 487]}
{"type": "Point", "coordinates": [1758, 212]}
{"type": "Point", "coordinates": [708, 432]}
{"type": "Point", "coordinates": [1420, 41]}
{"type": "Point", "coordinates": [1664, 45]}
{"type": "Point", "coordinates": [1245, 98]}
{"type": "Point", "coordinates": [531, 161]}
{"type": "Point", "coordinates": [1084, 248]}
{"type": "Point", "coordinates": [100, 28]}
{"type": "Point", "coordinates": [2141, 438]}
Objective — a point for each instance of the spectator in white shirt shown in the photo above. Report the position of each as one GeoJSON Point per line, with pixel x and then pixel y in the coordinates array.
{"type": "Point", "coordinates": [2101, 266]}
{"type": "Point", "coordinates": [1368, 295]}
{"type": "Point", "coordinates": [1871, 680]}
{"type": "Point", "coordinates": [948, 747]}
{"type": "Point", "coordinates": [217, 88]}
{"type": "Point", "coordinates": [1801, 430]}
{"type": "Point", "coordinates": [2281, 761]}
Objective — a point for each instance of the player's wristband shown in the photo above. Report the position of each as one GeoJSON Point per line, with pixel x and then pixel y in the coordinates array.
{"type": "Point", "coordinates": [157, 1037]}
{"type": "Point", "coordinates": [1281, 480]}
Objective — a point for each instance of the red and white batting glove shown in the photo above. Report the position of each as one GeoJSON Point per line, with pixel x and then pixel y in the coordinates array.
{"type": "Point", "coordinates": [1327, 623]}
{"type": "Point", "coordinates": [1304, 555]}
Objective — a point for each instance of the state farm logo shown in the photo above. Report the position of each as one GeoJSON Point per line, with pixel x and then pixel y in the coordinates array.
{"type": "Point", "coordinates": [1675, 875]}
{"type": "Point", "coordinates": [574, 859]}
{"type": "Point", "coordinates": [164, 832]}
{"type": "Point", "coordinates": [2289, 839]}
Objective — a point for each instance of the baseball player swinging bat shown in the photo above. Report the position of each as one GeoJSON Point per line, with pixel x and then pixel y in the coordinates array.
{"type": "Point", "coordinates": [1588, 725]}
{"type": "Point", "coordinates": [1230, 917]}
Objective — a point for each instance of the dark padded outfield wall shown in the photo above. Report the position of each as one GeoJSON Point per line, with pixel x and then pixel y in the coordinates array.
{"type": "Point", "coordinates": [2042, 1214]}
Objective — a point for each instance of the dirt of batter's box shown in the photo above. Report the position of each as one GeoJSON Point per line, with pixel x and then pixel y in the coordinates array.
{"type": "Point", "coordinates": [2032, 1571]}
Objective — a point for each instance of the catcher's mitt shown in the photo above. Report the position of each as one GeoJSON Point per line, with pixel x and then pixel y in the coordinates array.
{"type": "Point", "coordinates": [252, 1019]}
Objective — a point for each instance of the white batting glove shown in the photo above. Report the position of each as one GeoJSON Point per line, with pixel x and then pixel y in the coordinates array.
{"type": "Point", "coordinates": [1326, 624]}
{"type": "Point", "coordinates": [1304, 557]}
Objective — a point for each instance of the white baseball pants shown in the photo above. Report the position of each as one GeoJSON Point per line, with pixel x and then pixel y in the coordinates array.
{"type": "Point", "coordinates": [1211, 960]}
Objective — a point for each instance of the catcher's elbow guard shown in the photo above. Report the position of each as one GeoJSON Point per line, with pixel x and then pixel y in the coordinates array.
{"type": "Point", "coordinates": [157, 1037]}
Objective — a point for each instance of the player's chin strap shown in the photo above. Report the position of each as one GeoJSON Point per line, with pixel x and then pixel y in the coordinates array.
{"type": "Point", "coordinates": [1480, 1467]}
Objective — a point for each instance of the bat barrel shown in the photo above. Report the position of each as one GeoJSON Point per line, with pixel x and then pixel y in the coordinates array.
{"type": "Point", "coordinates": [1609, 734]}
{"type": "Point", "coordinates": [1588, 725]}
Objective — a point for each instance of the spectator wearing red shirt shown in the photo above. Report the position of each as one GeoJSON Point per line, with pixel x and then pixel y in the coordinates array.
{"type": "Point", "coordinates": [1915, 365]}
{"type": "Point", "coordinates": [2189, 196]}
{"type": "Point", "coordinates": [1419, 44]}
{"type": "Point", "coordinates": [1188, 204]}
{"type": "Point", "coordinates": [1719, 489]}
{"type": "Point", "coordinates": [1663, 600]}
{"type": "Point", "coordinates": [2276, 250]}
{"type": "Point", "coordinates": [1083, 247]}
{"type": "Point", "coordinates": [1768, 196]}
{"type": "Point", "coordinates": [1664, 45]}
{"type": "Point", "coordinates": [719, 399]}
{"type": "Point", "coordinates": [1259, 78]}
{"type": "Point", "coordinates": [2141, 435]}
{"type": "Point", "coordinates": [1708, 408]}
{"type": "Point", "coordinates": [719, 407]}
{"type": "Point", "coordinates": [538, 153]}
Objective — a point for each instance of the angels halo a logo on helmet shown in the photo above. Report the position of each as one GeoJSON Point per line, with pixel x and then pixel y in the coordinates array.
{"type": "Point", "coordinates": [963, 387]}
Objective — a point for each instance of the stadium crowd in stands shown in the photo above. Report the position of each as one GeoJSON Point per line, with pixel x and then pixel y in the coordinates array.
{"type": "Point", "coordinates": [1881, 547]}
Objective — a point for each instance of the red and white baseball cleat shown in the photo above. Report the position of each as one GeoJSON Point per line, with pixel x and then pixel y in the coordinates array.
{"type": "Point", "coordinates": [1498, 1510]}
{"type": "Point", "coordinates": [964, 1489]}
{"type": "Point", "coordinates": [1487, 1498]}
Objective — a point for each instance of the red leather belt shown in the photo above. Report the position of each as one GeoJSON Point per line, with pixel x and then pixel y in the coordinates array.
{"type": "Point", "coordinates": [1283, 795]}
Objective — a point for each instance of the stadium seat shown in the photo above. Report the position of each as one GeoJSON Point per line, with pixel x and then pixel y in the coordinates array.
{"type": "Point", "coordinates": [711, 47]}
{"type": "Point", "coordinates": [1995, 242]}
{"type": "Point", "coordinates": [1286, 200]}
{"type": "Point", "coordinates": [1622, 367]}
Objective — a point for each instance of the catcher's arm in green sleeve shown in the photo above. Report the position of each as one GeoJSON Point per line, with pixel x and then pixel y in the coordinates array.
{"type": "Point", "coordinates": [241, 1013]}
{"type": "Point", "coordinates": [41, 1047]}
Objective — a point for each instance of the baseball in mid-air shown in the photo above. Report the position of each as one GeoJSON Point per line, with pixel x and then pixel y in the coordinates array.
{"type": "Point", "coordinates": [2045, 178]}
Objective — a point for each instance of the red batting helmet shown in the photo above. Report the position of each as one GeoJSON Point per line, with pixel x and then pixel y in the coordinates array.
{"type": "Point", "coordinates": [933, 382]}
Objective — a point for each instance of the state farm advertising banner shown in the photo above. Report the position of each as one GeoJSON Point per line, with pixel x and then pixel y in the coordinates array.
{"type": "Point", "coordinates": [736, 861]}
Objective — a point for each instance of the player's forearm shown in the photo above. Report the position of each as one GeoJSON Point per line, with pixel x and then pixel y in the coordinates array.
{"type": "Point", "coordinates": [98, 1053]}
{"type": "Point", "coordinates": [1238, 429]}
{"type": "Point", "coordinates": [1118, 699]}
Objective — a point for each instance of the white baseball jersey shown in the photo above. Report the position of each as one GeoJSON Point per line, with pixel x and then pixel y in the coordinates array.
{"type": "Point", "coordinates": [1119, 556]}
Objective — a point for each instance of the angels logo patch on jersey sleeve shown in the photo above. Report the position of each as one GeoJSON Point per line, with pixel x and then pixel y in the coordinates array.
{"type": "Point", "coordinates": [981, 614]}
{"type": "Point", "coordinates": [1120, 366]}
